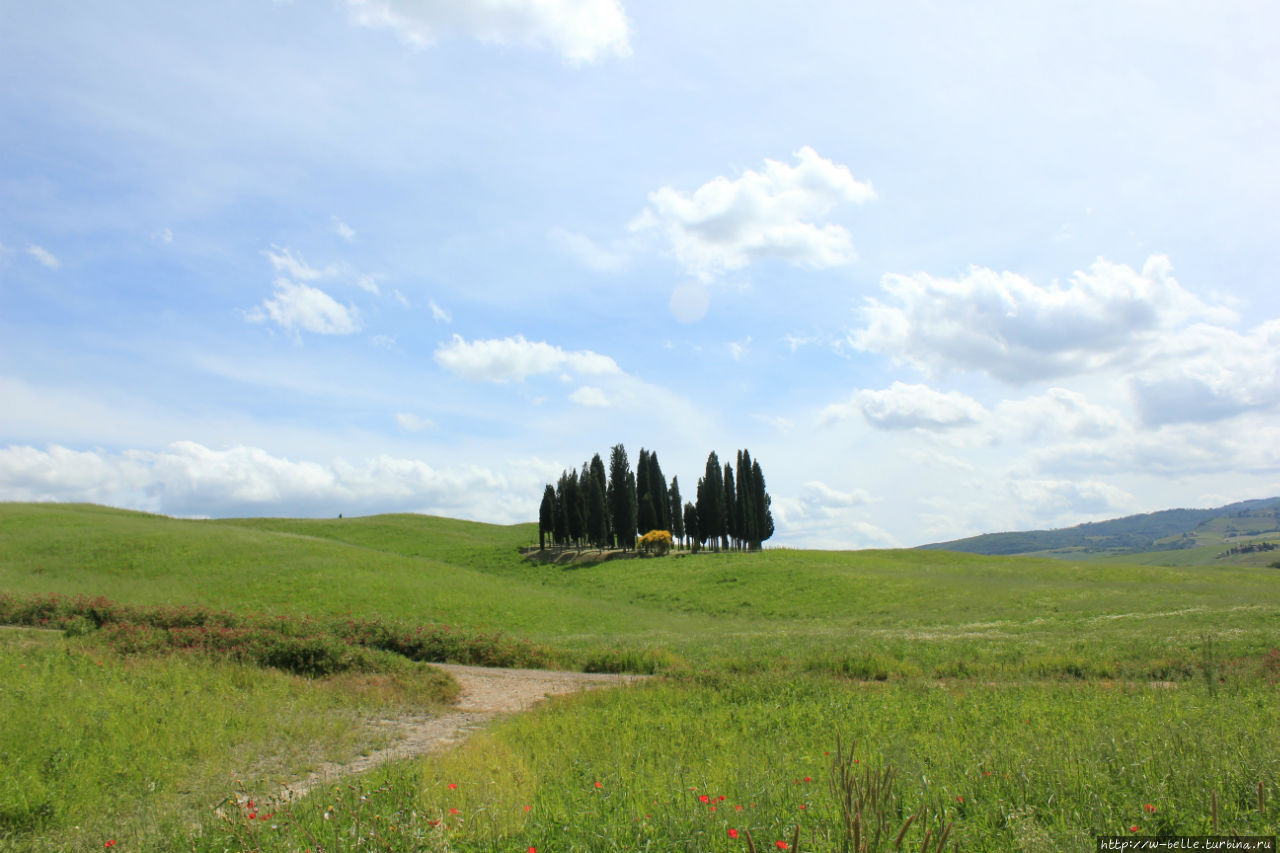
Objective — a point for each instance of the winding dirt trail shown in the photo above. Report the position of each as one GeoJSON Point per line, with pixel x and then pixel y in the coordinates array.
{"type": "Point", "coordinates": [486, 693]}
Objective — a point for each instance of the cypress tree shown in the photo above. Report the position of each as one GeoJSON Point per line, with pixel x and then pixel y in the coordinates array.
{"type": "Point", "coordinates": [574, 507]}
{"type": "Point", "coordinates": [547, 516]}
{"type": "Point", "coordinates": [658, 494]}
{"type": "Point", "coordinates": [597, 528]}
{"type": "Point", "coordinates": [621, 499]}
{"type": "Point", "coordinates": [711, 503]}
{"type": "Point", "coordinates": [747, 528]}
{"type": "Point", "coordinates": [646, 516]}
{"type": "Point", "coordinates": [691, 525]}
{"type": "Point", "coordinates": [764, 516]}
{"type": "Point", "coordinates": [631, 505]}
{"type": "Point", "coordinates": [562, 512]}
{"type": "Point", "coordinates": [597, 472]}
{"type": "Point", "coordinates": [676, 508]}
{"type": "Point", "coordinates": [730, 510]}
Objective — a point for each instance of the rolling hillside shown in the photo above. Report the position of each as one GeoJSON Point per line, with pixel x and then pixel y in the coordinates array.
{"type": "Point", "coordinates": [1200, 534]}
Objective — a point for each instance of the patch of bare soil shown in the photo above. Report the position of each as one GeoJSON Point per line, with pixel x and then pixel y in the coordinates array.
{"type": "Point", "coordinates": [486, 693]}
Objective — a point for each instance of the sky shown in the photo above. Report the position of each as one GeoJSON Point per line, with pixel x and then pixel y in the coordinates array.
{"type": "Point", "coordinates": [943, 268]}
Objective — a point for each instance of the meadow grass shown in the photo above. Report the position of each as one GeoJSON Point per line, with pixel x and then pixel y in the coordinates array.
{"type": "Point", "coordinates": [96, 747]}
{"type": "Point", "coordinates": [1028, 703]}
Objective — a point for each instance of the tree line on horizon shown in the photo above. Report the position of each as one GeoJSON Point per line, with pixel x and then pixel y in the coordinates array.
{"type": "Point", "coordinates": [590, 507]}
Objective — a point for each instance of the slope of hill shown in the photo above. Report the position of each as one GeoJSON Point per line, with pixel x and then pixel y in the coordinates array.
{"type": "Point", "coordinates": [1206, 532]}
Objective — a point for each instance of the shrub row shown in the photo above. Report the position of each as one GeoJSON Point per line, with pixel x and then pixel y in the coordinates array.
{"type": "Point", "coordinates": [297, 644]}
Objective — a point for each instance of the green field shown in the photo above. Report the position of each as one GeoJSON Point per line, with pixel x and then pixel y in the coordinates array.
{"type": "Point", "coordinates": [1030, 703]}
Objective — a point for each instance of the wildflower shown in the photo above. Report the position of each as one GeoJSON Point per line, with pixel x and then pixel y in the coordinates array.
{"type": "Point", "coordinates": [1133, 829]}
{"type": "Point", "coordinates": [782, 845]}
{"type": "Point", "coordinates": [733, 833]}
{"type": "Point", "coordinates": [599, 784]}
{"type": "Point", "coordinates": [111, 842]}
{"type": "Point", "coordinates": [803, 806]}
{"type": "Point", "coordinates": [452, 787]}
{"type": "Point", "coordinates": [959, 799]}
{"type": "Point", "coordinates": [807, 779]}
{"type": "Point", "coordinates": [528, 808]}
{"type": "Point", "coordinates": [454, 811]}
{"type": "Point", "coordinates": [1149, 807]}
{"type": "Point", "coordinates": [704, 799]}
{"type": "Point", "coordinates": [532, 849]}
{"type": "Point", "coordinates": [737, 808]}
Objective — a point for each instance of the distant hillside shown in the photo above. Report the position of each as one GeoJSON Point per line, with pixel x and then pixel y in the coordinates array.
{"type": "Point", "coordinates": [1168, 530]}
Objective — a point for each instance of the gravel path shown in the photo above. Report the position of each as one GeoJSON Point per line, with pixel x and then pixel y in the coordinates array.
{"type": "Point", "coordinates": [486, 693]}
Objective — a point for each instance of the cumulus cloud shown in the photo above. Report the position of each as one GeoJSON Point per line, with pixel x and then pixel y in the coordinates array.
{"type": "Point", "coordinates": [409, 422]}
{"type": "Point", "coordinates": [589, 252]}
{"type": "Point", "coordinates": [1015, 330]}
{"type": "Point", "coordinates": [342, 229]}
{"type": "Point", "coordinates": [902, 406]}
{"type": "Point", "coordinates": [44, 256]}
{"type": "Point", "coordinates": [283, 261]}
{"type": "Point", "coordinates": [579, 30]}
{"type": "Point", "coordinates": [297, 307]}
{"type": "Point", "coordinates": [1068, 498]}
{"type": "Point", "coordinates": [591, 397]}
{"type": "Point", "coordinates": [820, 516]}
{"type": "Point", "coordinates": [1207, 373]}
{"type": "Point", "coordinates": [437, 313]}
{"type": "Point", "coordinates": [190, 479]}
{"type": "Point", "coordinates": [728, 223]}
{"type": "Point", "coordinates": [507, 359]}
{"type": "Point", "coordinates": [1057, 412]}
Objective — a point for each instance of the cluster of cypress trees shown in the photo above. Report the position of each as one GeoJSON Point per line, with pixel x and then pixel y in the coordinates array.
{"type": "Point", "coordinates": [592, 508]}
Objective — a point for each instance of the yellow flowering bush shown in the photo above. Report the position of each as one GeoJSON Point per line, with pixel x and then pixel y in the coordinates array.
{"type": "Point", "coordinates": [656, 543]}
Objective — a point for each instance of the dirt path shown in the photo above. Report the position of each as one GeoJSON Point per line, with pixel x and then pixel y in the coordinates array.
{"type": "Point", "coordinates": [486, 693]}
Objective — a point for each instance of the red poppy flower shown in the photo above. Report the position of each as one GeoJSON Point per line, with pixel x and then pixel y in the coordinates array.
{"type": "Point", "coordinates": [704, 799]}
{"type": "Point", "coordinates": [1133, 829]}
{"type": "Point", "coordinates": [111, 842]}
{"type": "Point", "coordinates": [453, 811]}
{"type": "Point", "coordinates": [532, 849]}
{"type": "Point", "coordinates": [803, 806]}
{"type": "Point", "coordinates": [1149, 807]}
{"type": "Point", "coordinates": [807, 779]}
{"type": "Point", "coordinates": [782, 845]}
{"type": "Point", "coordinates": [599, 784]}
{"type": "Point", "coordinates": [737, 808]}
{"type": "Point", "coordinates": [452, 787]}
{"type": "Point", "coordinates": [959, 799]}
{"type": "Point", "coordinates": [733, 833]}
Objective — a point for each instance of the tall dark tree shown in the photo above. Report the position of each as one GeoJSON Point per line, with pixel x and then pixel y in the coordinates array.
{"type": "Point", "coordinates": [621, 498]}
{"type": "Point", "coordinates": [731, 538]}
{"type": "Point", "coordinates": [711, 503]}
{"type": "Point", "coordinates": [574, 508]}
{"type": "Point", "coordinates": [631, 519]}
{"type": "Point", "coordinates": [562, 512]}
{"type": "Point", "coordinates": [597, 471]}
{"type": "Point", "coordinates": [676, 508]}
{"type": "Point", "coordinates": [597, 511]}
{"type": "Point", "coordinates": [547, 517]}
{"type": "Point", "coordinates": [764, 516]}
{"type": "Point", "coordinates": [658, 495]}
{"type": "Point", "coordinates": [646, 515]}
{"type": "Point", "coordinates": [691, 525]}
{"type": "Point", "coordinates": [746, 512]}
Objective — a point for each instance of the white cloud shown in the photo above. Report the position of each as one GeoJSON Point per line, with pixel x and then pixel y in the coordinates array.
{"type": "Point", "coordinates": [1069, 499]}
{"type": "Point", "coordinates": [368, 283]}
{"type": "Point", "coordinates": [902, 406]}
{"type": "Point", "coordinates": [506, 359]}
{"type": "Point", "coordinates": [44, 256]}
{"type": "Point", "coordinates": [342, 229]}
{"type": "Point", "coordinates": [591, 397]}
{"type": "Point", "coordinates": [726, 224]}
{"type": "Point", "coordinates": [1207, 373]}
{"type": "Point", "coordinates": [689, 302]}
{"type": "Point", "coordinates": [739, 349]}
{"type": "Point", "coordinates": [1015, 330]}
{"type": "Point", "coordinates": [590, 253]}
{"type": "Point", "coordinates": [295, 268]}
{"type": "Point", "coordinates": [1057, 412]}
{"type": "Point", "coordinates": [413, 423]}
{"type": "Point", "coordinates": [302, 307]}
{"type": "Point", "coordinates": [819, 516]}
{"type": "Point", "coordinates": [383, 341]}
{"type": "Point", "coordinates": [189, 479]}
{"type": "Point", "coordinates": [437, 313]}
{"type": "Point", "coordinates": [579, 30]}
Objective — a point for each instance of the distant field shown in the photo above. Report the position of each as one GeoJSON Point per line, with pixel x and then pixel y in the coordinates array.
{"type": "Point", "coordinates": [1031, 702]}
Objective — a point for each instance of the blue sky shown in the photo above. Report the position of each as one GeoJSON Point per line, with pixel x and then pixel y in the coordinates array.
{"type": "Point", "coordinates": [943, 268]}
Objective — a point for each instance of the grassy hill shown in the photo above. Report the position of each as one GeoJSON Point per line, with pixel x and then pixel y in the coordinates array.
{"type": "Point", "coordinates": [863, 611]}
{"type": "Point", "coordinates": [1169, 537]}
{"type": "Point", "coordinates": [1024, 702]}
